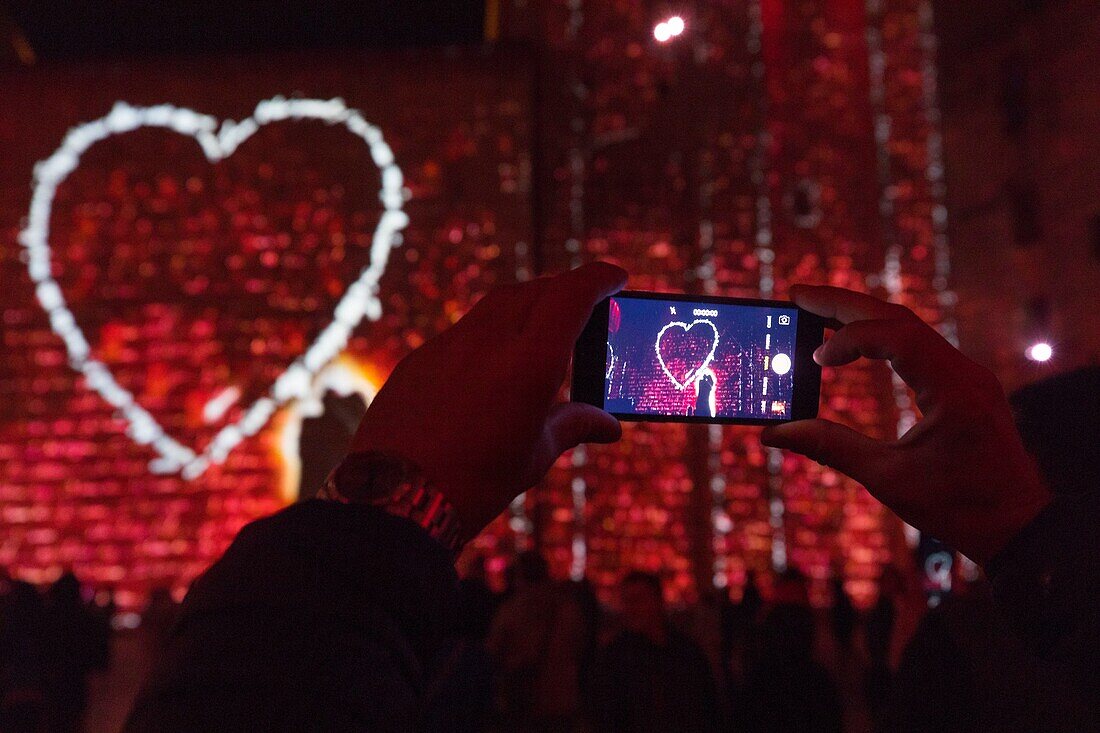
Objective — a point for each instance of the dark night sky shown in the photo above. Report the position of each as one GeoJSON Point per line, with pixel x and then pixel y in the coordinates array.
{"type": "Point", "coordinates": [68, 29]}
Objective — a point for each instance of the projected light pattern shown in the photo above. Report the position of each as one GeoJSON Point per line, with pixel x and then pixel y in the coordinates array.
{"type": "Point", "coordinates": [198, 283]}
{"type": "Point", "coordinates": [692, 374]}
{"type": "Point", "coordinates": [163, 256]}
{"type": "Point", "coordinates": [359, 300]}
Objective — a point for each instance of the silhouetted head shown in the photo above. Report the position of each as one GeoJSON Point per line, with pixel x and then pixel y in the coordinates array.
{"type": "Point", "coordinates": [791, 587]}
{"type": "Point", "coordinates": [530, 568]}
{"type": "Point", "coordinates": [24, 604]}
{"type": "Point", "coordinates": [349, 408]}
{"type": "Point", "coordinates": [643, 603]}
{"type": "Point", "coordinates": [836, 584]}
{"type": "Point", "coordinates": [787, 633]}
{"type": "Point", "coordinates": [65, 592]}
{"type": "Point", "coordinates": [160, 599]}
{"type": "Point", "coordinates": [1059, 421]}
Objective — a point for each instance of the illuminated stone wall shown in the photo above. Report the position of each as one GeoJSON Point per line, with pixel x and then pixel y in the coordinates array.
{"type": "Point", "coordinates": [189, 279]}
{"type": "Point", "coordinates": [772, 143]}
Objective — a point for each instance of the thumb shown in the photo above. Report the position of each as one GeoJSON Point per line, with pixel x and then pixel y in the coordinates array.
{"type": "Point", "coordinates": [830, 444]}
{"type": "Point", "coordinates": [571, 423]}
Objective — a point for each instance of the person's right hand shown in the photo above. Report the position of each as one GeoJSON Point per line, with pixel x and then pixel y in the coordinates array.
{"type": "Point", "coordinates": [961, 474]}
{"type": "Point", "coordinates": [475, 407]}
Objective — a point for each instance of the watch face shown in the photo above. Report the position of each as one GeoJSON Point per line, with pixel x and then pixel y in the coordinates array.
{"type": "Point", "coordinates": [371, 477]}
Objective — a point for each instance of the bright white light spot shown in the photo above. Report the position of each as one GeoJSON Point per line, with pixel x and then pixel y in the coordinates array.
{"type": "Point", "coordinates": [781, 364]}
{"type": "Point", "coordinates": [675, 25]}
{"type": "Point", "coordinates": [662, 32]}
{"type": "Point", "coordinates": [1040, 351]}
{"type": "Point", "coordinates": [125, 621]}
{"type": "Point", "coordinates": [216, 407]}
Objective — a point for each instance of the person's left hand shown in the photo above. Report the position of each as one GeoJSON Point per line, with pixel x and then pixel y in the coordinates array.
{"type": "Point", "coordinates": [961, 473]}
{"type": "Point", "coordinates": [474, 407]}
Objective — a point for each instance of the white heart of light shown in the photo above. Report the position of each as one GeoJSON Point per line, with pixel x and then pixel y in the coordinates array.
{"type": "Point", "coordinates": [694, 373]}
{"type": "Point", "coordinates": [359, 300]}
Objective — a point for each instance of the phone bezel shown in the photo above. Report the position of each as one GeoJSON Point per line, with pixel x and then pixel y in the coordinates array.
{"type": "Point", "coordinates": [590, 360]}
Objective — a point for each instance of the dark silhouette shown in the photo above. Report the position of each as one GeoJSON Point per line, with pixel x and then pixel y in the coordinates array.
{"type": "Point", "coordinates": [651, 677]}
{"type": "Point", "coordinates": [479, 602]}
{"type": "Point", "coordinates": [379, 586]}
{"type": "Point", "coordinates": [964, 671]}
{"type": "Point", "coordinates": [537, 640]}
{"type": "Point", "coordinates": [160, 613]}
{"type": "Point", "coordinates": [842, 615]}
{"type": "Point", "coordinates": [785, 689]}
{"type": "Point", "coordinates": [1059, 421]}
{"type": "Point", "coordinates": [878, 632]}
{"type": "Point", "coordinates": [963, 655]}
{"type": "Point", "coordinates": [704, 387]}
{"type": "Point", "coordinates": [24, 660]}
{"type": "Point", "coordinates": [325, 439]}
{"type": "Point", "coordinates": [79, 642]}
{"type": "Point", "coordinates": [739, 631]}
{"type": "Point", "coordinates": [592, 620]}
{"type": "Point", "coordinates": [751, 599]}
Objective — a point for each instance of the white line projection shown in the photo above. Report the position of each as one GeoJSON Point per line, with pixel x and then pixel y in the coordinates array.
{"type": "Point", "coordinates": [693, 374]}
{"type": "Point", "coordinates": [359, 300]}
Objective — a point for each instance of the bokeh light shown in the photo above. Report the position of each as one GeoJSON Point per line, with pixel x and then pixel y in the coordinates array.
{"type": "Point", "coordinates": [1040, 351]}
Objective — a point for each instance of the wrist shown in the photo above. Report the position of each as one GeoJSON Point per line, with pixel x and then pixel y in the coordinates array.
{"type": "Point", "coordinates": [397, 486]}
{"type": "Point", "coordinates": [1012, 520]}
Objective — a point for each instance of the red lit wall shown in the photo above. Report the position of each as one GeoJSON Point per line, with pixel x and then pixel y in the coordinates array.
{"type": "Point", "coordinates": [187, 278]}
{"type": "Point", "coordinates": [737, 160]}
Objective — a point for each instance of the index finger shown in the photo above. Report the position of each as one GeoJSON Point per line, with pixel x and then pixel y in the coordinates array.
{"type": "Point", "coordinates": [921, 357]}
{"type": "Point", "coordinates": [844, 305]}
{"type": "Point", "coordinates": [566, 301]}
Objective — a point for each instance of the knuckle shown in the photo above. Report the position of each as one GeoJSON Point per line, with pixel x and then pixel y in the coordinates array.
{"type": "Point", "coordinates": [971, 402]}
{"type": "Point", "coordinates": [909, 331]}
{"type": "Point", "coordinates": [896, 311]}
{"type": "Point", "coordinates": [908, 324]}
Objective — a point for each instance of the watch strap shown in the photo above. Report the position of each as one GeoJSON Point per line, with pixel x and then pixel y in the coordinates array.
{"type": "Point", "coordinates": [398, 487]}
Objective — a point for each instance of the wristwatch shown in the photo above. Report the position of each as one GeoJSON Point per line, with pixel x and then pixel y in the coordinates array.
{"type": "Point", "coordinates": [397, 486]}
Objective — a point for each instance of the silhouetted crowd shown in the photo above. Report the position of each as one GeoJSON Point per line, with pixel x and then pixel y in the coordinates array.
{"type": "Point", "coordinates": [49, 643]}
{"type": "Point", "coordinates": [543, 655]}
{"type": "Point", "coordinates": [551, 657]}
{"type": "Point", "coordinates": [345, 612]}
{"type": "Point", "coordinates": [547, 655]}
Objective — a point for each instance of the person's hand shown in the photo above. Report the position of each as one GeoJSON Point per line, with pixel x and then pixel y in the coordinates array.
{"type": "Point", "coordinates": [961, 473]}
{"type": "Point", "coordinates": [474, 407]}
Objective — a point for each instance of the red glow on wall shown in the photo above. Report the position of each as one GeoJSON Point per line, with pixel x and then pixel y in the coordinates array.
{"type": "Point", "coordinates": [192, 278]}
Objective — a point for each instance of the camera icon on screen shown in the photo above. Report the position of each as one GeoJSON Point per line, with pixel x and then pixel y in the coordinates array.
{"type": "Point", "coordinates": [784, 320]}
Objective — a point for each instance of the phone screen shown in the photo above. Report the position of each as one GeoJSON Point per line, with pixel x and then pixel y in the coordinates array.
{"type": "Point", "coordinates": [678, 358]}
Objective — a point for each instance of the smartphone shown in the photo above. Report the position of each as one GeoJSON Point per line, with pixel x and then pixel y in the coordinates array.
{"type": "Point", "coordinates": [662, 357]}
